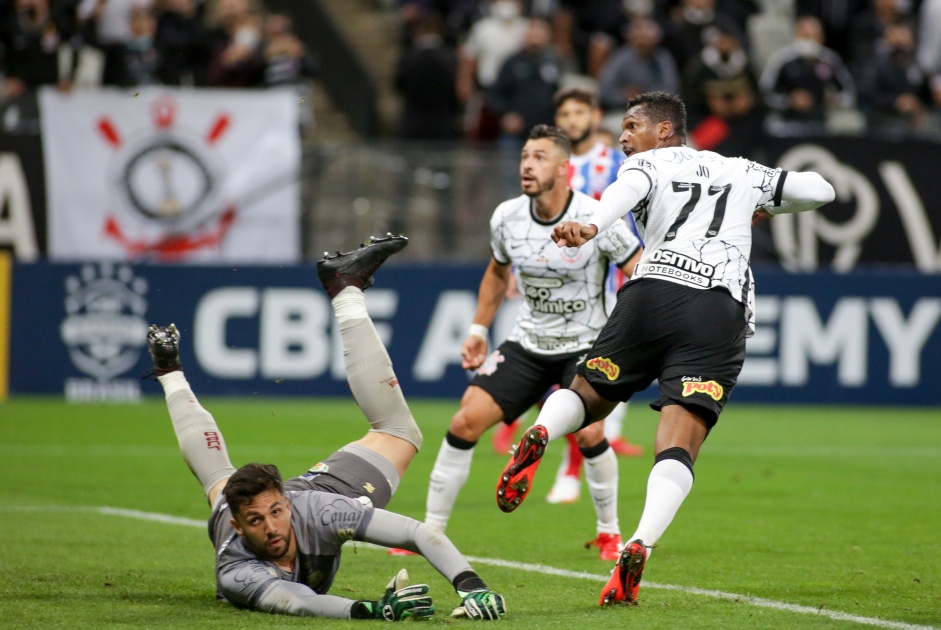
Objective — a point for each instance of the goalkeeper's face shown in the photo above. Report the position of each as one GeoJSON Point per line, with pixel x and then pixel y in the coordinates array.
{"type": "Point", "coordinates": [265, 523]}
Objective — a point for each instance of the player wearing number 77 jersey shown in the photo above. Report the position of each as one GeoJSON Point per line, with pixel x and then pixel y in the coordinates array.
{"type": "Point", "coordinates": [683, 317]}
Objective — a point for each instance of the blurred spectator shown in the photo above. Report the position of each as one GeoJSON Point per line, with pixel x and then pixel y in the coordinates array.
{"type": "Point", "coordinates": [527, 82]}
{"type": "Point", "coordinates": [522, 97]}
{"type": "Point", "coordinates": [588, 30]}
{"type": "Point", "coordinates": [110, 19]}
{"type": "Point", "coordinates": [287, 62]}
{"type": "Point", "coordinates": [836, 18]}
{"type": "Point", "coordinates": [490, 42]}
{"type": "Point", "coordinates": [37, 48]}
{"type": "Point", "coordinates": [139, 61]}
{"type": "Point", "coordinates": [867, 29]}
{"type": "Point", "coordinates": [456, 17]}
{"type": "Point", "coordinates": [804, 81]}
{"type": "Point", "coordinates": [641, 65]}
{"type": "Point", "coordinates": [721, 94]}
{"type": "Point", "coordinates": [237, 47]}
{"type": "Point", "coordinates": [929, 36]}
{"type": "Point", "coordinates": [426, 78]}
{"type": "Point", "coordinates": [183, 40]}
{"type": "Point", "coordinates": [894, 90]}
{"type": "Point", "coordinates": [684, 27]}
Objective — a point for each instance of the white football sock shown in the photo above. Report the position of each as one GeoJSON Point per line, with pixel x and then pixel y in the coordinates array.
{"type": "Point", "coordinates": [200, 440]}
{"type": "Point", "coordinates": [601, 473]}
{"type": "Point", "coordinates": [447, 478]}
{"type": "Point", "coordinates": [667, 487]}
{"type": "Point", "coordinates": [562, 413]}
{"type": "Point", "coordinates": [369, 370]}
{"type": "Point", "coordinates": [615, 422]}
{"type": "Point", "coordinates": [349, 303]}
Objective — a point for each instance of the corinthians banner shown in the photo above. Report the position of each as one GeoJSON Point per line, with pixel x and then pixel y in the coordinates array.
{"type": "Point", "coordinates": [172, 176]}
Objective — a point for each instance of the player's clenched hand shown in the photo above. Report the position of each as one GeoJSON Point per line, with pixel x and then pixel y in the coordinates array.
{"type": "Point", "coordinates": [481, 605]}
{"type": "Point", "coordinates": [473, 352]}
{"type": "Point", "coordinates": [573, 233]}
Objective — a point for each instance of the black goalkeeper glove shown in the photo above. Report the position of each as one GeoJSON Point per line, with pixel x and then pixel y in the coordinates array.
{"type": "Point", "coordinates": [481, 604]}
{"type": "Point", "coordinates": [401, 601]}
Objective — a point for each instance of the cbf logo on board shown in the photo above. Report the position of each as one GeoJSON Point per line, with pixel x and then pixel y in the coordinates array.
{"type": "Point", "coordinates": [105, 330]}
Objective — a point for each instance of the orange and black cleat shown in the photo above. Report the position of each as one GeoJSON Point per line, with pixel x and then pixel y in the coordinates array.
{"type": "Point", "coordinates": [517, 478]}
{"type": "Point", "coordinates": [625, 578]}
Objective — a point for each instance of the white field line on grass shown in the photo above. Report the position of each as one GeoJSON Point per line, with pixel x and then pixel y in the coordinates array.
{"type": "Point", "coordinates": [523, 566]}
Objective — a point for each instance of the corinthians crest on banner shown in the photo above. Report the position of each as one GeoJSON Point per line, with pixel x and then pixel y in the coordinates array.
{"type": "Point", "coordinates": [172, 175]}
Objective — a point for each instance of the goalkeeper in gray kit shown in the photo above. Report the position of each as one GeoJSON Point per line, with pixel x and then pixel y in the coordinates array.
{"type": "Point", "coordinates": [278, 542]}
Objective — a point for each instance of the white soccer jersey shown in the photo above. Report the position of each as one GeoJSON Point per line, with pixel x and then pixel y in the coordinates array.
{"type": "Point", "coordinates": [563, 288]}
{"type": "Point", "coordinates": [696, 218]}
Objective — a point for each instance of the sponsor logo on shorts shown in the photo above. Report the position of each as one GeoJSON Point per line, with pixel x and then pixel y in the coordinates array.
{"type": "Point", "coordinates": [317, 468]}
{"type": "Point", "coordinates": [606, 366]}
{"type": "Point", "coordinates": [709, 388]}
{"type": "Point", "coordinates": [491, 364]}
{"type": "Point", "coordinates": [368, 487]}
{"type": "Point", "coordinates": [553, 343]}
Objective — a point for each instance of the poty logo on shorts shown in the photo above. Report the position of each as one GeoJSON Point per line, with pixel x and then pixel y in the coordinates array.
{"type": "Point", "coordinates": [709, 388]}
{"type": "Point", "coordinates": [606, 366]}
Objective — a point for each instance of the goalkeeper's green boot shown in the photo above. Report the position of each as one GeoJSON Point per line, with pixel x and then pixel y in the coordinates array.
{"type": "Point", "coordinates": [625, 578]}
{"type": "Point", "coordinates": [517, 478]}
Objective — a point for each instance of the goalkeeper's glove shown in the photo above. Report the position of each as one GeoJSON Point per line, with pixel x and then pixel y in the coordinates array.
{"type": "Point", "coordinates": [401, 601]}
{"type": "Point", "coordinates": [480, 604]}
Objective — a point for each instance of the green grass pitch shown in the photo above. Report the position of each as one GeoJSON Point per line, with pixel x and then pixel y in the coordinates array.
{"type": "Point", "coordinates": [803, 517]}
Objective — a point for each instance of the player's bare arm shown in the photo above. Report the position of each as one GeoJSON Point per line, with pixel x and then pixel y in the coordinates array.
{"type": "Point", "coordinates": [490, 296]}
{"type": "Point", "coordinates": [573, 233]}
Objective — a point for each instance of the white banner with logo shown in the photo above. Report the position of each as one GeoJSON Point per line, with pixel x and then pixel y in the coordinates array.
{"type": "Point", "coordinates": [167, 175]}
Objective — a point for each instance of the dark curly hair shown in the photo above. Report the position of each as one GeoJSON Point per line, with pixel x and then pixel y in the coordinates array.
{"type": "Point", "coordinates": [553, 133]}
{"type": "Point", "coordinates": [248, 482]}
{"type": "Point", "coordinates": [660, 106]}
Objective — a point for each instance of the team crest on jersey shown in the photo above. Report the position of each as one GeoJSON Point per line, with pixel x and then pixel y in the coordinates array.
{"type": "Point", "coordinates": [491, 364]}
{"type": "Point", "coordinates": [570, 254]}
{"type": "Point", "coordinates": [606, 366]}
{"type": "Point", "coordinates": [709, 388]}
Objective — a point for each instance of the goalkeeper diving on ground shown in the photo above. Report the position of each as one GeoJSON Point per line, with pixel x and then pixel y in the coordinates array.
{"type": "Point", "coordinates": [277, 542]}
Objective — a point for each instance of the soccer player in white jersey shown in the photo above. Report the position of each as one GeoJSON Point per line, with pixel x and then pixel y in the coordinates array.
{"type": "Point", "coordinates": [682, 318]}
{"type": "Point", "coordinates": [593, 166]}
{"type": "Point", "coordinates": [561, 313]}
{"type": "Point", "coordinates": [278, 543]}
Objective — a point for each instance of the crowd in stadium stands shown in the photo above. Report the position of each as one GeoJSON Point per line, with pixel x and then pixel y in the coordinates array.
{"type": "Point", "coordinates": [790, 67]}
{"type": "Point", "coordinates": [128, 43]}
{"type": "Point", "coordinates": [485, 69]}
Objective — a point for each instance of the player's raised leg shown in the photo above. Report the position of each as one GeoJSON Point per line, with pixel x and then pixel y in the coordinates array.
{"type": "Point", "coordinates": [200, 440]}
{"type": "Point", "coordinates": [393, 432]}
{"type": "Point", "coordinates": [564, 412]}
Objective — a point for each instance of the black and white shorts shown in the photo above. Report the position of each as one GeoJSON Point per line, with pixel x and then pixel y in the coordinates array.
{"type": "Point", "coordinates": [517, 379]}
{"type": "Point", "coordinates": [692, 340]}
